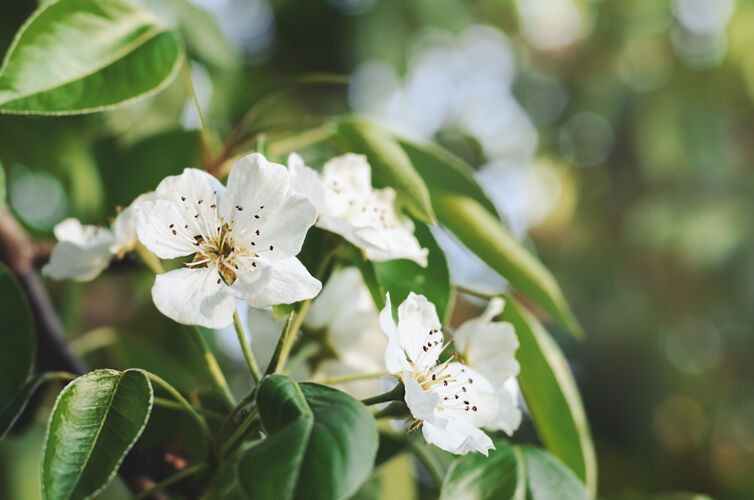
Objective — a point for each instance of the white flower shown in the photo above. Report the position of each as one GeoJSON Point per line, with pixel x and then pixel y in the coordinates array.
{"type": "Point", "coordinates": [244, 241]}
{"type": "Point", "coordinates": [451, 399]}
{"type": "Point", "coordinates": [489, 347]}
{"type": "Point", "coordinates": [83, 252]}
{"type": "Point", "coordinates": [353, 332]}
{"type": "Point", "coordinates": [349, 206]}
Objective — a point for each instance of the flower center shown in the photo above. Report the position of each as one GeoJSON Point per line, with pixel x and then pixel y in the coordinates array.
{"type": "Point", "coordinates": [453, 389]}
{"type": "Point", "coordinates": [219, 249]}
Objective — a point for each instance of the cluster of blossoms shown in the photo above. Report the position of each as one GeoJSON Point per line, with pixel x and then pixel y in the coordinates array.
{"type": "Point", "coordinates": [241, 241]}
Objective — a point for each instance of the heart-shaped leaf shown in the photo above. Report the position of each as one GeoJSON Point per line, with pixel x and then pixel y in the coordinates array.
{"type": "Point", "coordinates": [390, 165]}
{"type": "Point", "coordinates": [80, 56]}
{"type": "Point", "coordinates": [17, 338]}
{"type": "Point", "coordinates": [95, 422]}
{"type": "Point", "coordinates": [321, 443]}
{"type": "Point", "coordinates": [550, 390]}
{"type": "Point", "coordinates": [515, 472]}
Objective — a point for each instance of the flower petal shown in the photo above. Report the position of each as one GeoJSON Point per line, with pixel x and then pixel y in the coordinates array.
{"type": "Point", "coordinates": [282, 234]}
{"type": "Point", "coordinates": [306, 182]}
{"type": "Point", "coordinates": [351, 172]}
{"type": "Point", "coordinates": [395, 357]}
{"type": "Point", "coordinates": [279, 282]}
{"type": "Point", "coordinates": [124, 227]}
{"type": "Point", "coordinates": [194, 297]}
{"type": "Point", "coordinates": [189, 187]}
{"type": "Point", "coordinates": [256, 187]}
{"type": "Point", "coordinates": [421, 403]}
{"type": "Point", "coordinates": [458, 437]}
{"type": "Point", "coordinates": [164, 230]}
{"type": "Point", "coordinates": [508, 417]}
{"type": "Point", "coordinates": [417, 317]}
{"type": "Point", "coordinates": [78, 262]}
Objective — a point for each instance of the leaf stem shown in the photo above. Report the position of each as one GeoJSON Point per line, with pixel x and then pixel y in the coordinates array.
{"type": "Point", "coordinates": [186, 405]}
{"type": "Point", "coordinates": [167, 403]}
{"type": "Point", "coordinates": [283, 349]}
{"type": "Point", "coordinates": [190, 471]}
{"type": "Point", "coordinates": [212, 364]}
{"type": "Point", "coordinates": [351, 378]}
{"type": "Point", "coordinates": [238, 434]}
{"type": "Point", "coordinates": [204, 132]}
{"type": "Point", "coordinates": [394, 394]}
{"type": "Point", "coordinates": [229, 419]}
{"type": "Point", "coordinates": [256, 374]}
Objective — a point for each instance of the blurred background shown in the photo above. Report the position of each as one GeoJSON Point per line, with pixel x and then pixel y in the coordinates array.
{"type": "Point", "coordinates": [616, 138]}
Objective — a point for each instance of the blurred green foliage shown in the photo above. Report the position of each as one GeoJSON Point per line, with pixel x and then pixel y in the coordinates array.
{"type": "Point", "coordinates": [650, 235]}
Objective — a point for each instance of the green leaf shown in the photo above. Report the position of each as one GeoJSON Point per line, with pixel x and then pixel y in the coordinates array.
{"type": "Point", "coordinates": [552, 396]}
{"type": "Point", "coordinates": [17, 338]}
{"type": "Point", "coordinates": [321, 443]}
{"type": "Point", "coordinates": [399, 277]}
{"type": "Point", "coordinates": [485, 235]}
{"type": "Point", "coordinates": [95, 422]}
{"type": "Point", "coordinates": [81, 56]}
{"type": "Point", "coordinates": [548, 478]}
{"type": "Point", "coordinates": [443, 171]}
{"type": "Point", "coordinates": [390, 164]}
{"type": "Point", "coordinates": [520, 473]}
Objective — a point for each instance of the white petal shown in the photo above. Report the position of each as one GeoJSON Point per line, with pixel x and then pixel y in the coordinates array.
{"type": "Point", "coordinates": [306, 182]}
{"type": "Point", "coordinates": [508, 417]}
{"type": "Point", "coordinates": [189, 187]}
{"type": "Point", "coordinates": [77, 262]}
{"type": "Point", "coordinates": [395, 357]}
{"type": "Point", "coordinates": [194, 297]}
{"type": "Point", "coordinates": [279, 282]}
{"type": "Point", "coordinates": [458, 438]}
{"type": "Point", "coordinates": [254, 183]}
{"type": "Point", "coordinates": [416, 318]}
{"type": "Point", "coordinates": [157, 222]}
{"type": "Point", "coordinates": [490, 346]}
{"type": "Point", "coordinates": [350, 172]}
{"type": "Point", "coordinates": [421, 403]}
{"type": "Point", "coordinates": [124, 227]}
{"type": "Point", "coordinates": [282, 233]}
{"type": "Point", "coordinates": [479, 393]}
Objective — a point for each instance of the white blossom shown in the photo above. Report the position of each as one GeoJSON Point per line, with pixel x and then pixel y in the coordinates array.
{"type": "Point", "coordinates": [84, 251]}
{"type": "Point", "coordinates": [243, 239]}
{"type": "Point", "coordinates": [489, 347]}
{"type": "Point", "coordinates": [348, 205]}
{"type": "Point", "coordinates": [452, 400]}
{"type": "Point", "coordinates": [353, 331]}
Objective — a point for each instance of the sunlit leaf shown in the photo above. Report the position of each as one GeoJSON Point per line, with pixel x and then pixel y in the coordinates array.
{"type": "Point", "coordinates": [552, 396]}
{"type": "Point", "coordinates": [321, 443]}
{"type": "Point", "coordinates": [95, 422]}
{"type": "Point", "coordinates": [80, 56]}
{"type": "Point", "coordinates": [485, 235]}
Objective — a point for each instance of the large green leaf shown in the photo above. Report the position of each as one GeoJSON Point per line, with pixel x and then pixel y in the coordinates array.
{"type": "Point", "coordinates": [485, 235]}
{"type": "Point", "coordinates": [511, 472]}
{"type": "Point", "coordinates": [321, 443]}
{"type": "Point", "coordinates": [96, 420]}
{"type": "Point", "coordinates": [552, 396]}
{"type": "Point", "coordinates": [80, 56]}
{"type": "Point", "coordinates": [17, 338]}
{"type": "Point", "coordinates": [399, 277]}
{"type": "Point", "coordinates": [390, 164]}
